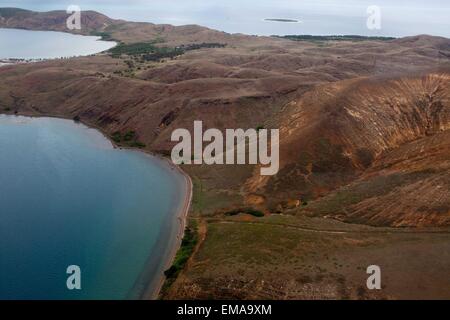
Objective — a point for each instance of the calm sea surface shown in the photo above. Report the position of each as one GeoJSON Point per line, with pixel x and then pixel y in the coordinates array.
{"type": "Point", "coordinates": [24, 44]}
{"type": "Point", "coordinates": [318, 17]}
{"type": "Point", "coordinates": [68, 198]}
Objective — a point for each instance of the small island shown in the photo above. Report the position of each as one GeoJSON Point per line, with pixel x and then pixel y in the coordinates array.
{"type": "Point", "coordinates": [282, 20]}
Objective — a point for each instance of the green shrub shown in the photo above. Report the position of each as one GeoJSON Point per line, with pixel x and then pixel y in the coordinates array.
{"type": "Point", "coordinates": [117, 137]}
{"type": "Point", "coordinates": [137, 144]}
{"type": "Point", "coordinates": [187, 248]}
{"type": "Point", "coordinates": [133, 49]}
{"type": "Point", "coordinates": [106, 36]}
{"type": "Point", "coordinates": [129, 136]}
{"type": "Point", "coordinates": [147, 51]}
{"type": "Point", "coordinates": [128, 139]}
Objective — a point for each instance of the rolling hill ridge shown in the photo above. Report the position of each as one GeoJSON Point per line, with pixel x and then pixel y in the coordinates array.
{"type": "Point", "coordinates": [364, 149]}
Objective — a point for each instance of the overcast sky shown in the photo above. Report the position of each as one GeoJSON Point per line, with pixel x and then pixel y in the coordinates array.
{"type": "Point", "coordinates": [399, 18]}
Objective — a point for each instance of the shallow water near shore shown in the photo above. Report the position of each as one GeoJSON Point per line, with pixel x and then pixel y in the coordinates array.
{"type": "Point", "coordinates": [67, 197]}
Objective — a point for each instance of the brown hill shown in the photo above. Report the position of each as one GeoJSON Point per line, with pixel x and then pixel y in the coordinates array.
{"type": "Point", "coordinates": [53, 20]}
{"type": "Point", "coordinates": [336, 133]}
{"type": "Point", "coordinates": [365, 139]}
{"type": "Point", "coordinates": [406, 187]}
{"type": "Point", "coordinates": [96, 23]}
{"type": "Point", "coordinates": [341, 106]}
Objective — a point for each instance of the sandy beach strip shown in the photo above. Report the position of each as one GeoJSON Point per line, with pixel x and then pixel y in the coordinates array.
{"type": "Point", "coordinates": [182, 223]}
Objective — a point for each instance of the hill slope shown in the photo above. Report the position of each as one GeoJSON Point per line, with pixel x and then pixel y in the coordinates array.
{"type": "Point", "coordinates": [364, 141]}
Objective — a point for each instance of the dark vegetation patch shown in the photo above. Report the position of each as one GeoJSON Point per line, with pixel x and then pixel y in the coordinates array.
{"type": "Point", "coordinates": [365, 157]}
{"type": "Point", "coordinates": [334, 38]}
{"type": "Point", "coordinates": [250, 211]}
{"type": "Point", "coordinates": [168, 118]}
{"type": "Point", "coordinates": [128, 139]}
{"type": "Point", "coordinates": [145, 51]}
{"type": "Point", "coordinates": [149, 51]}
{"type": "Point", "coordinates": [188, 244]}
{"type": "Point", "coordinates": [105, 36]}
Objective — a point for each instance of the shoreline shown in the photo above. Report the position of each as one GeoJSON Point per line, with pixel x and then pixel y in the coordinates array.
{"type": "Point", "coordinates": [152, 292]}
{"type": "Point", "coordinates": [18, 61]}
{"type": "Point", "coordinates": [181, 219]}
{"type": "Point", "coordinates": [181, 215]}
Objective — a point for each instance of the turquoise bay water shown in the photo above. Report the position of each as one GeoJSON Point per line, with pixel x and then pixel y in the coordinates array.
{"type": "Point", "coordinates": [68, 198]}
{"type": "Point", "coordinates": [25, 44]}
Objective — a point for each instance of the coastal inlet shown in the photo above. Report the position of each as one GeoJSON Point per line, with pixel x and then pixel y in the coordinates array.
{"type": "Point", "coordinates": [67, 197]}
